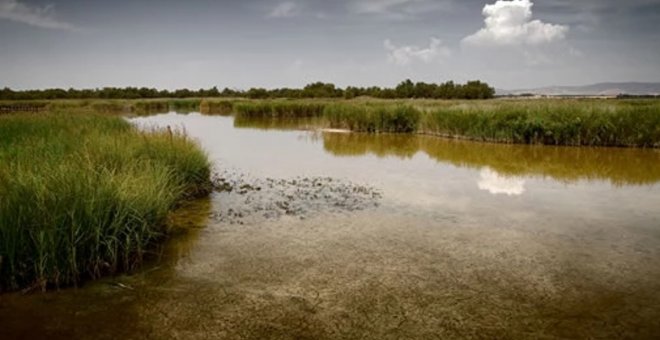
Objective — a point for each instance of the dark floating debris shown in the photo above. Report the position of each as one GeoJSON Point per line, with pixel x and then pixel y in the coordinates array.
{"type": "Point", "coordinates": [244, 199]}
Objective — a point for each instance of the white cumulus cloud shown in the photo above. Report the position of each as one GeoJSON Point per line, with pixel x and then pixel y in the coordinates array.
{"type": "Point", "coordinates": [285, 10]}
{"type": "Point", "coordinates": [510, 23]}
{"type": "Point", "coordinates": [43, 17]}
{"type": "Point", "coordinates": [497, 184]}
{"type": "Point", "coordinates": [404, 55]}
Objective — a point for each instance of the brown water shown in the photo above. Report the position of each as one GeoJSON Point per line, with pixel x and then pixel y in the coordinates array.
{"type": "Point", "coordinates": [336, 235]}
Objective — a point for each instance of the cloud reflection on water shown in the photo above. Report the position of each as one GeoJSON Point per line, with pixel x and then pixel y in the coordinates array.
{"type": "Point", "coordinates": [497, 184]}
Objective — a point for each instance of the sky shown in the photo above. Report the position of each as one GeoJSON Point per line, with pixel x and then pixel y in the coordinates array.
{"type": "Point", "coordinates": [510, 44]}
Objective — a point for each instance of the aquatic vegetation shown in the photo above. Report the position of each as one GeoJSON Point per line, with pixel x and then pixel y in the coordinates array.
{"type": "Point", "coordinates": [184, 105]}
{"type": "Point", "coordinates": [373, 118]}
{"type": "Point", "coordinates": [280, 109]}
{"type": "Point", "coordinates": [219, 107]}
{"type": "Point", "coordinates": [283, 124]}
{"type": "Point", "coordinates": [576, 122]}
{"type": "Point", "coordinates": [346, 115]}
{"type": "Point", "coordinates": [143, 107]}
{"type": "Point", "coordinates": [301, 197]}
{"type": "Point", "coordinates": [571, 122]}
{"type": "Point", "coordinates": [117, 106]}
{"type": "Point", "coordinates": [624, 123]}
{"type": "Point", "coordinates": [84, 195]}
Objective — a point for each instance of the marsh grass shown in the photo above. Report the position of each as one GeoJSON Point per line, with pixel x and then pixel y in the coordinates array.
{"type": "Point", "coordinates": [118, 106]}
{"type": "Point", "coordinates": [373, 118]}
{"type": "Point", "coordinates": [184, 105]}
{"type": "Point", "coordinates": [571, 122]}
{"type": "Point", "coordinates": [355, 116]}
{"type": "Point", "coordinates": [223, 107]}
{"type": "Point", "coordinates": [84, 196]}
{"type": "Point", "coordinates": [575, 122]}
{"type": "Point", "coordinates": [146, 107]}
{"type": "Point", "coordinates": [280, 109]}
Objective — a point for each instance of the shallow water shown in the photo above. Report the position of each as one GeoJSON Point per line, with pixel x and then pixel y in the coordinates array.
{"type": "Point", "coordinates": [336, 235]}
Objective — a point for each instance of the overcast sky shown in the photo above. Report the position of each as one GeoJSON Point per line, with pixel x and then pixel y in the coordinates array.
{"type": "Point", "coordinates": [240, 44]}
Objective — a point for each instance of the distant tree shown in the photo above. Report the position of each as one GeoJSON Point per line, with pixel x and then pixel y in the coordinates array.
{"type": "Point", "coordinates": [212, 92]}
{"type": "Point", "coordinates": [257, 93]}
{"type": "Point", "coordinates": [182, 93]}
{"type": "Point", "coordinates": [321, 90]}
{"type": "Point", "coordinates": [424, 90]}
{"type": "Point", "coordinates": [227, 92]}
{"type": "Point", "coordinates": [351, 92]}
{"type": "Point", "coordinates": [406, 89]}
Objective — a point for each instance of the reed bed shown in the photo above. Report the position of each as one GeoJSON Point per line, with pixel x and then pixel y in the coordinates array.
{"type": "Point", "coordinates": [373, 118]}
{"type": "Point", "coordinates": [356, 116]}
{"type": "Point", "coordinates": [280, 109]}
{"type": "Point", "coordinates": [576, 122]}
{"type": "Point", "coordinates": [184, 105]}
{"type": "Point", "coordinates": [217, 107]}
{"type": "Point", "coordinates": [119, 106]}
{"type": "Point", "coordinates": [145, 107]}
{"type": "Point", "coordinates": [85, 195]}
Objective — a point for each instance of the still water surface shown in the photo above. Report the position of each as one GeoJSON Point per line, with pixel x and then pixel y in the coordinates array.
{"type": "Point", "coordinates": [340, 235]}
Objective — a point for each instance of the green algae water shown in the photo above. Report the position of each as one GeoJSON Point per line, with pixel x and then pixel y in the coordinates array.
{"type": "Point", "coordinates": [326, 235]}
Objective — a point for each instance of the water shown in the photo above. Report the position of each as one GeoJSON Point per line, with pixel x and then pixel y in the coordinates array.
{"type": "Point", "coordinates": [336, 235]}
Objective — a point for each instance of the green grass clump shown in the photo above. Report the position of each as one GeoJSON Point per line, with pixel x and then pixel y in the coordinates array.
{"type": "Point", "coordinates": [218, 107]}
{"type": "Point", "coordinates": [119, 106]}
{"type": "Point", "coordinates": [373, 118]}
{"type": "Point", "coordinates": [84, 196]}
{"type": "Point", "coordinates": [279, 109]}
{"type": "Point", "coordinates": [145, 107]}
{"type": "Point", "coordinates": [576, 123]}
{"type": "Point", "coordinates": [184, 105]}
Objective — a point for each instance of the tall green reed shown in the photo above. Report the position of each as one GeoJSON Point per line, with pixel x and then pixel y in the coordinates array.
{"type": "Point", "coordinates": [83, 196]}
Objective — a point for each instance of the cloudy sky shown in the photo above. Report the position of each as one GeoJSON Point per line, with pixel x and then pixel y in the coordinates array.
{"type": "Point", "coordinates": [240, 44]}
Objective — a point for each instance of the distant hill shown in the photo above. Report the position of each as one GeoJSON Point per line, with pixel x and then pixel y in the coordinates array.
{"type": "Point", "coordinates": [600, 89]}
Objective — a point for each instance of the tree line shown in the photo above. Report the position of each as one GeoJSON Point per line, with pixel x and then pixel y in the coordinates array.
{"type": "Point", "coordinates": [406, 89]}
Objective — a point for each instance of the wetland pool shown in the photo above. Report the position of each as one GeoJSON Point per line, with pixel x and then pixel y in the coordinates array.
{"type": "Point", "coordinates": [333, 235]}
